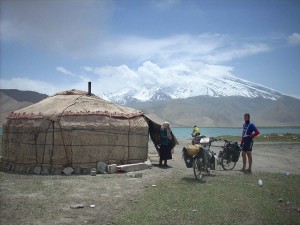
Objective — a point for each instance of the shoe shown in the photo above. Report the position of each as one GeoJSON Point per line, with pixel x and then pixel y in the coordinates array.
{"type": "Point", "coordinates": [247, 171]}
{"type": "Point", "coordinates": [242, 170]}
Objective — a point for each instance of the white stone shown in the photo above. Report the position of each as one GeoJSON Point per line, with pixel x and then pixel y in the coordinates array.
{"type": "Point", "coordinates": [77, 206]}
{"type": "Point", "coordinates": [101, 167]}
{"type": "Point", "coordinates": [68, 170]}
{"type": "Point", "coordinates": [134, 175]}
{"type": "Point", "coordinates": [112, 168]}
{"type": "Point", "coordinates": [93, 172]}
{"type": "Point", "coordinates": [37, 170]}
{"type": "Point", "coordinates": [45, 171]}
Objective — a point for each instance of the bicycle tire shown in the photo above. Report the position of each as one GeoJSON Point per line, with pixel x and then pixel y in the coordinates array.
{"type": "Point", "coordinates": [197, 167]}
{"type": "Point", "coordinates": [227, 164]}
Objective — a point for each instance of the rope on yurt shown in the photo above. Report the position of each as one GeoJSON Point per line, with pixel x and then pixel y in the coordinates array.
{"type": "Point", "coordinates": [64, 145]}
{"type": "Point", "coordinates": [128, 135]}
{"type": "Point", "coordinates": [45, 144]}
{"type": "Point", "coordinates": [36, 135]}
{"type": "Point", "coordinates": [51, 153]}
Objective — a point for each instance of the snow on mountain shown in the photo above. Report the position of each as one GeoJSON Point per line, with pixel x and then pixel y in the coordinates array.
{"type": "Point", "coordinates": [214, 86]}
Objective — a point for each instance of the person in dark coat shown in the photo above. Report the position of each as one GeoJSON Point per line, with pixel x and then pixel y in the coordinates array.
{"type": "Point", "coordinates": [165, 144]}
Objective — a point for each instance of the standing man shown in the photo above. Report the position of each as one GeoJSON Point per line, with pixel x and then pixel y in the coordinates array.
{"type": "Point", "coordinates": [249, 132]}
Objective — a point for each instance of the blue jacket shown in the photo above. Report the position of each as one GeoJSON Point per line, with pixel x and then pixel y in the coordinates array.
{"type": "Point", "coordinates": [248, 129]}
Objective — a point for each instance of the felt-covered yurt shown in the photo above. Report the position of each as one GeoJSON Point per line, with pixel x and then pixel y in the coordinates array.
{"type": "Point", "coordinates": [77, 129]}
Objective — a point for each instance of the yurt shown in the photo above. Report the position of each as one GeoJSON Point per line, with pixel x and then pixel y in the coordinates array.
{"type": "Point", "coordinates": [74, 129]}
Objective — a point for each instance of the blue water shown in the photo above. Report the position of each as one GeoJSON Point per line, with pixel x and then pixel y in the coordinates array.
{"type": "Point", "coordinates": [185, 132]}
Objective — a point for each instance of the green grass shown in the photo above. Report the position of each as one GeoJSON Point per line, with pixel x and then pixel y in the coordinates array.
{"type": "Point", "coordinates": [224, 199]}
{"type": "Point", "coordinates": [267, 138]}
{"type": "Point", "coordinates": [0, 145]}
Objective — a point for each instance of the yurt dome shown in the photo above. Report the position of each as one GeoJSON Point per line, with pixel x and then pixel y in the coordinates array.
{"type": "Point", "coordinates": [74, 128]}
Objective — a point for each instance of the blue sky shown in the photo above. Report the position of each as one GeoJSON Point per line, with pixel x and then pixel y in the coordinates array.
{"type": "Point", "coordinates": [50, 46]}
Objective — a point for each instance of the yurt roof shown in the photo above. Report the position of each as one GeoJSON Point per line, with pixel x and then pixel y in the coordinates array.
{"type": "Point", "coordinates": [74, 102]}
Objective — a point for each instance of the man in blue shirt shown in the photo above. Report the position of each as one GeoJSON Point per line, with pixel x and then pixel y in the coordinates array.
{"type": "Point", "coordinates": [249, 132]}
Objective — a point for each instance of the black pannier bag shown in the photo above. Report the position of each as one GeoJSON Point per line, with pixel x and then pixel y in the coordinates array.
{"type": "Point", "coordinates": [233, 151]}
{"type": "Point", "coordinates": [187, 158]}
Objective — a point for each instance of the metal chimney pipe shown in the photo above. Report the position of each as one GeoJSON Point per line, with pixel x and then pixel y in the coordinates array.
{"type": "Point", "coordinates": [90, 88]}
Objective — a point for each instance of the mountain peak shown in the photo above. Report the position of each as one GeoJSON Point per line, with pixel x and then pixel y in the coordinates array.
{"type": "Point", "coordinates": [214, 86]}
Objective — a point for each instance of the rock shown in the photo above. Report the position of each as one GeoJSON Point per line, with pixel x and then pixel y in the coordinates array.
{"type": "Point", "coordinates": [148, 162]}
{"type": "Point", "coordinates": [56, 171]}
{"type": "Point", "coordinates": [101, 167]}
{"type": "Point", "coordinates": [134, 175]}
{"type": "Point", "coordinates": [8, 166]}
{"type": "Point", "coordinates": [280, 200]}
{"type": "Point", "coordinates": [93, 172]}
{"type": "Point", "coordinates": [112, 168]}
{"type": "Point", "coordinates": [12, 168]}
{"type": "Point", "coordinates": [77, 171]}
{"type": "Point", "coordinates": [17, 169]}
{"type": "Point", "coordinates": [45, 171]}
{"type": "Point", "coordinates": [85, 171]}
{"type": "Point", "coordinates": [29, 170]}
{"type": "Point", "coordinates": [68, 170]}
{"type": "Point", "coordinates": [77, 206]}
{"type": "Point", "coordinates": [37, 170]}
{"type": "Point", "coordinates": [22, 169]}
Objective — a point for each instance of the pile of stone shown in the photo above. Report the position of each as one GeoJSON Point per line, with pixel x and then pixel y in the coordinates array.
{"type": "Point", "coordinates": [101, 168]}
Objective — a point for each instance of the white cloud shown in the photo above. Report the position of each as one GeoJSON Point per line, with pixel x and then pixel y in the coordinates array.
{"type": "Point", "coordinates": [229, 54]}
{"type": "Point", "coordinates": [71, 27]}
{"type": "Point", "coordinates": [76, 29]}
{"type": "Point", "coordinates": [294, 39]}
{"type": "Point", "coordinates": [164, 4]}
{"type": "Point", "coordinates": [150, 74]}
{"type": "Point", "coordinates": [167, 50]}
{"type": "Point", "coordinates": [64, 71]}
{"type": "Point", "coordinates": [27, 84]}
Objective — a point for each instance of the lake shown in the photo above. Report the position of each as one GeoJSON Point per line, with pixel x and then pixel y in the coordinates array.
{"type": "Point", "coordinates": [185, 132]}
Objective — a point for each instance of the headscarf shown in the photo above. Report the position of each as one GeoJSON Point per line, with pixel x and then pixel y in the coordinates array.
{"type": "Point", "coordinates": [166, 125]}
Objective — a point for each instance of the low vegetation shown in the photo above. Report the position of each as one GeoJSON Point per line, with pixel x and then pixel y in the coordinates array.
{"type": "Point", "coordinates": [267, 138]}
{"type": "Point", "coordinates": [229, 199]}
{"type": "Point", "coordinates": [179, 199]}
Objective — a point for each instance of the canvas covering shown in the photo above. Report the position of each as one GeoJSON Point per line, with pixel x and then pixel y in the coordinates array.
{"type": "Point", "coordinates": [72, 128]}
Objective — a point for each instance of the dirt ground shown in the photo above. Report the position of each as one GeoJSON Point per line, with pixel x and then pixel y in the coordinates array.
{"type": "Point", "coordinates": [112, 193]}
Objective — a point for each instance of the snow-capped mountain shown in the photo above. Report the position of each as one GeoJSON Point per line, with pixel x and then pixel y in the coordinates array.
{"type": "Point", "coordinates": [214, 86]}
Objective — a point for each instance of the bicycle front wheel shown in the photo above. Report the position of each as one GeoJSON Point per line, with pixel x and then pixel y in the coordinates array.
{"type": "Point", "coordinates": [226, 162]}
{"type": "Point", "coordinates": [197, 167]}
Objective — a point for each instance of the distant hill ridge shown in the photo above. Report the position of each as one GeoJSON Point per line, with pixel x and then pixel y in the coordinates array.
{"type": "Point", "coordinates": [13, 99]}
{"type": "Point", "coordinates": [24, 96]}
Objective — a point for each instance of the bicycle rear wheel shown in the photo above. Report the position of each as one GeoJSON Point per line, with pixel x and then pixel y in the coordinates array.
{"type": "Point", "coordinates": [226, 162]}
{"type": "Point", "coordinates": [197, 167]}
